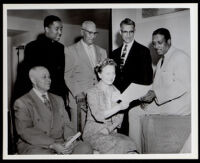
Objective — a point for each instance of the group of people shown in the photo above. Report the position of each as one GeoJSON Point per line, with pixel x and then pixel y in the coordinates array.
{"type": "Point", "coordinates": [84, 73]}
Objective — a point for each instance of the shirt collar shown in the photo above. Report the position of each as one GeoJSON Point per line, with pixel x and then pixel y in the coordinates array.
{"type": "Point", "coordinates": [169, 52]}
{"type": "Point", "coordinates": [129, 44]}
{"type": "Point", "coordinates": [39, 94]}
{"type": "Point", "coordinates": [86, 45]}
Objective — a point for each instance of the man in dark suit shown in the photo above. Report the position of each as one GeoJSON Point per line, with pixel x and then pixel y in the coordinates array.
{"type": "Point", "coordinates": [134, 65]}
{"type": "Point", "coordinates": [48, 52]}
{"type": "Point", "coordinates": [41, 121]}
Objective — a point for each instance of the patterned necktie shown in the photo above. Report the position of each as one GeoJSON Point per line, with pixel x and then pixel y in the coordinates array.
{"type": "Point", "coordinates": [123, 57]}
{"type": "Point", "coordinates": [163, 57]}
{"type": "Point", "coordinates": [46, 102]}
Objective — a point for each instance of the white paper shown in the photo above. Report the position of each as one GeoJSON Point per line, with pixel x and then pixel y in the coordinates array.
{"type": "Point", "coordinates": [134, 92]}
{"type": "Point", "coordinates": [72, 139]}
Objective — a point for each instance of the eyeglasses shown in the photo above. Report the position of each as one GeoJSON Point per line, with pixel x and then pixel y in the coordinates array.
{"type": "Point", "coordinates": [90, 32]}
{"type": "Point", "coordinates": [127, 32]}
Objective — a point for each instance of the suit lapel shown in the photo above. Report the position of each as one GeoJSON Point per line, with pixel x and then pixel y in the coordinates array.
{"type": "Point", "coordinates": [98, 55]}
{"type": "Point", "coordinates": [37, 101]}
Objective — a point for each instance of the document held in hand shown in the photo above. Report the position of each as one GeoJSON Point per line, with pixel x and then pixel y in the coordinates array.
{"type": "Point", "coordinates": [72, 139]}
{"type": "Point", "coordinates": [134, 92]}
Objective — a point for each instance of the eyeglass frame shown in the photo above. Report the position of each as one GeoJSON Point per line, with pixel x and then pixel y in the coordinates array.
{"type": "Point", "coordinates": [90, 32]}
{"type": "Point", "coordinates": [128, 32]}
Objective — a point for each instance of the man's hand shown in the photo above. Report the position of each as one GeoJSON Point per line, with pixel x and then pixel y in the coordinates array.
{"type": "Point", "coordinates": [149, 97]}
{"type": "Point", "coordinates": [59, 148]}
{"type": "Point", "coordinates": [80, 97]}
{"type": "Point", "coordinates": [68, 149]}
{"type": "Point", "coordinates": [81, 100]}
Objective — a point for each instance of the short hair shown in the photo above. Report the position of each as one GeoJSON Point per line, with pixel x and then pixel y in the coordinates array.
{"type": "Point", "coordinates": [50, 19]}
{"type": "Point", "coordinates": [127, 21]}
{"type": "Point", "coordinates": [85, 23]}
{"type": "Point", "coordinates": [104, 63]}
{"type": "Point", "coordinates": [163, 31]}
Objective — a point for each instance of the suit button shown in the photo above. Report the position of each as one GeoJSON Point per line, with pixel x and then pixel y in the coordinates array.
{"type": "Point", "coordinates": [45, 132]}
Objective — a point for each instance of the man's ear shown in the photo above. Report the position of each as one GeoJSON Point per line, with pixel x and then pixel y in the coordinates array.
{"type": "Point", "coordinates": [46, 29]}
{"type": "Point", "coordinates": [169, 41]}
{"type": "Point", "coordinates": [81, 32]}
{"type": "Point", "coordinates": [33, 80]}
{"type": "Point", "coordinates": [99, 75]}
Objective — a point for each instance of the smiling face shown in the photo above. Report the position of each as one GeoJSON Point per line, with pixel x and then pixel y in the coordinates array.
{"type": "Point", "coordinates": [41, 80]}
{"type": "Point", "coordinates": [160, 44]}
{"type": "Point", "coordinates": [127, 33]}
{"type": "Point", "coordinates": [107, 75]}
{"type": "Point", "coordinates": [89, 33]}
{"type": "Point", "coordinates": [54, 30]}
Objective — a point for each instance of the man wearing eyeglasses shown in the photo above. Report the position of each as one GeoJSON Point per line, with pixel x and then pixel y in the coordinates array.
{"type": "Point", "coordinates": [80, 60]}
{"type": "Point", "coordinates": [134, 65]}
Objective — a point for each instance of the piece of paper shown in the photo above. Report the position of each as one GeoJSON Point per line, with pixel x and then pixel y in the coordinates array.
{"type": "Point", "coordinates": [72, 139]}
{"type": "Point", "coordinates": [134, 92]}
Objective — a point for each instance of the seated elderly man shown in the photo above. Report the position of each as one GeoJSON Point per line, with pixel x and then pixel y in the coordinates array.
{"type": "Point", "coordinates": [41, 121]}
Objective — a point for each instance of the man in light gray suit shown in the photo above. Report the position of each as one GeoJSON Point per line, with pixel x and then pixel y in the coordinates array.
{"type": "Point", "coordinates": [41, 121]}
{"type": "Point", "coordinates": [80, 60]}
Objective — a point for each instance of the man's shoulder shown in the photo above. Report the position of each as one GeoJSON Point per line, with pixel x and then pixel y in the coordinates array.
{"type": "Point", "coordinates": [139, 45]}
{"type": "Point", "coordinates": [26, 98]}
{"type": "Point", "coordinates": [57, 97]}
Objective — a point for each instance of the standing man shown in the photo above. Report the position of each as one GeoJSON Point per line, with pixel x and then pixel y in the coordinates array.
{"type": "Point", "coordinates": [41, 121]}
{"type": "Point", "coordinates": [134, 65]}
{"type": "Point", "coordinates": [80, 60]}
{"type": "Point", "coordinates": [48, 52]}
{"type": "Point", "coordinates": [170, 94]}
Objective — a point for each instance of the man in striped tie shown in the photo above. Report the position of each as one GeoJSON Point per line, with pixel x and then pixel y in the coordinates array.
{"type": "Point", "coordinates": [42, 122]}
{"type": "Point", "coordinates": [134, 66]}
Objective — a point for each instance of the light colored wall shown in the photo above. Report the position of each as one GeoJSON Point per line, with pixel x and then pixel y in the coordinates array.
{"type": "Point", "coordinates": [32, 28]}
{"type": "Point", "coordinates": [178, 24]}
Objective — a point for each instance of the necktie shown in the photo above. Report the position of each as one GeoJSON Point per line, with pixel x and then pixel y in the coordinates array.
{"type": "Point", "coordinates": [46, 102]}
{"type": "Point", "coordinates": [123, 56]}
{"type": "Point", "coordinates": [91, 56]}
{"type": "Point", "coordinates": [162, 61]}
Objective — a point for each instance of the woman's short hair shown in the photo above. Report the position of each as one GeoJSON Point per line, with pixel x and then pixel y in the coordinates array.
{"type": "Point", "coordinates": [104, 63]}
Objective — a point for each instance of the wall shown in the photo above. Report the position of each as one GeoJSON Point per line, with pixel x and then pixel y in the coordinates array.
{"type": "Point", "coordinates": [178, 24]}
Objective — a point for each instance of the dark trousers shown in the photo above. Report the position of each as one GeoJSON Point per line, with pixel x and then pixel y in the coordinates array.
{"type": "Point", "coordinates": [125, 123]}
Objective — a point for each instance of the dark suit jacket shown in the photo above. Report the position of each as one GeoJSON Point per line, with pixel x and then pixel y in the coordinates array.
{"type": "Point", "coordinates": [137, 68]}
{"type": "Point", "coordinates": [46, 53]}
{"type": "Point", "coordinates": [37, 126]}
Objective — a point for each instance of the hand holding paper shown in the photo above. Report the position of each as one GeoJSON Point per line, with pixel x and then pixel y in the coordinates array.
{"type": "Point", "coordinates": [134, 92]}
{"type": "Point", "coordinates": [148, 98]}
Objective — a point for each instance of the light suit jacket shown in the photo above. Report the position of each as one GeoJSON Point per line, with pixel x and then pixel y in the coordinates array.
{"type": "Point", "coordinates": [79, 74]}
{"type": "Point", "coordinates": [38, 126]}
{"type": "Point", "coordinates": [172, 83]}
{"type": "Point", "coordinates": [98, 103]}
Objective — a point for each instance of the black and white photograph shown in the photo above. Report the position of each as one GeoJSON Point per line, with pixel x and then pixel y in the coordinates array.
{"type": "Point", "coordinates": [100, 81]}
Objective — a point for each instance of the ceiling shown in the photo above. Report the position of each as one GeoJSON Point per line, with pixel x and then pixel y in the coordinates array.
{"type": "Point", "coordinates": [69, 16]}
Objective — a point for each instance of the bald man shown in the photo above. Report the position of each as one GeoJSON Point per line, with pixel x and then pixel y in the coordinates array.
{"type": "Point", "coordinates": [80, 60]}
{"type": "Point", "coordinates": [41, 121]}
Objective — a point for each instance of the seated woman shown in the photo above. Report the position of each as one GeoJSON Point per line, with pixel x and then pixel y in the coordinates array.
{"type": "Point", "coordinates": [103, 118]}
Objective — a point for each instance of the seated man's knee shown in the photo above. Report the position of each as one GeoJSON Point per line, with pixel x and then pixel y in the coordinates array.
{"type": "Point", "coordinates": [83, 148]}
